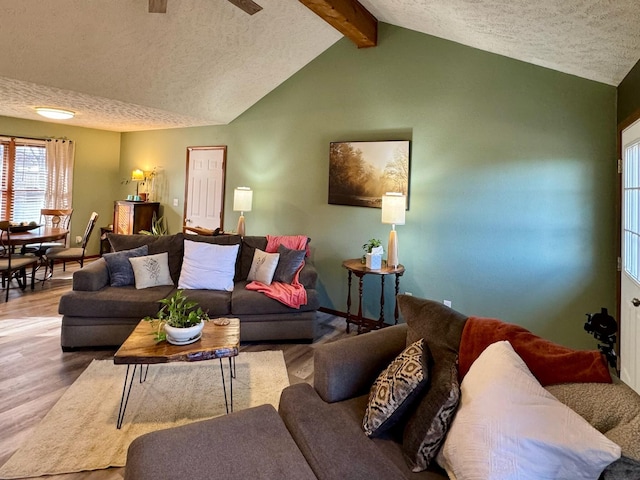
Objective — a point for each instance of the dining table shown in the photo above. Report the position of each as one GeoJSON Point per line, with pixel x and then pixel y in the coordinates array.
{"type": "Point", "coordinates": [37, 235]}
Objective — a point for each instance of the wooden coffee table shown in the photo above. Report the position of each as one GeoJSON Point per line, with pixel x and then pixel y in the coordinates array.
{"type": "Point", "coordinates": [140, 349]}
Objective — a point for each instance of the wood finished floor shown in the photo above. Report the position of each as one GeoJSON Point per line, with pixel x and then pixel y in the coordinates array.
{"type": "Point", "coordinates": [34, 372]}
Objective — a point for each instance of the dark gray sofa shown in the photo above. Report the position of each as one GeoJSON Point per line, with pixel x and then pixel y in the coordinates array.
{"type": "Point", "coordinates": [323, 433]}
{"type": "Point", "coordinates": [317, 431]}
{"type": "Point", "coordinates": [94, 314]}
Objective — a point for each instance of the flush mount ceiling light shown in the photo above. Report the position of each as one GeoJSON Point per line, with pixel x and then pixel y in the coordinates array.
{"type": "Point", "coordinates": [55, 113]}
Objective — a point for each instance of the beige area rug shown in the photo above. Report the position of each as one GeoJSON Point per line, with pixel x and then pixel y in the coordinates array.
{"type": "Point", "coordinates": [79, 433]}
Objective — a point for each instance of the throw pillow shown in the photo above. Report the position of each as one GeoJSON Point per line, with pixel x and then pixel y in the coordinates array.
{"type": "Point", "coordinates": [151, 270]}
{"type": "Point", "coordinates": [428, 426]}
{"type": "Point", "coordinates": [263, 266]}
{"type": "Point", "coordinates": [208, 266]}
{"type": "Point", "coordinates": [441, 327]}
{"type": "Point", "coordinates": [120, 270]}
{"type": "Point", "coordinates": [396, 388]}
{"type": "Point", "coordinates": [549, 362]}
{"type": "Point", "coordinates": [288, 264]}
{"type": "Point", "coordinates": [509, 426]}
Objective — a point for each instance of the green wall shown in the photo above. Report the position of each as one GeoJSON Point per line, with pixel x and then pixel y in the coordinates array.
{"type": "Point", "coordinates": [629, 94]}
{"type": "Point", "coordinates": [95, 172]}
{"type": "Point", "coordinates": [512, 180]}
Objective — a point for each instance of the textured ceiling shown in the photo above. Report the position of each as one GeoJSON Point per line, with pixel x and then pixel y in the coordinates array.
{"type": "Point", "coordinates": [205, 62]}
{"type": "Point", "coordinates": [594, 39]}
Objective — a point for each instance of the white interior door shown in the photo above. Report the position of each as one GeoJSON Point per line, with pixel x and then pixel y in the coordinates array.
{"type": "Point", "coordinates": [204, 202]}
{"type": "Point", "coordinates": [630, 275]}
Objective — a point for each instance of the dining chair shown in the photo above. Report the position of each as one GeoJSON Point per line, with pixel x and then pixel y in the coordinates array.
{"type": "Point", "coordinates": [74, 254]}
{"type": "Point", "coordinates": [52, 218]}
{"type": "Point", "coordinates": [14, 265]}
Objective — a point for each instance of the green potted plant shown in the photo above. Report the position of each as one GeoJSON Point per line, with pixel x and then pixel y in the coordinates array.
{"type": "Point", "coordinates": [370, 245]}
{"type": "Point", "coordinates": [179, 321]}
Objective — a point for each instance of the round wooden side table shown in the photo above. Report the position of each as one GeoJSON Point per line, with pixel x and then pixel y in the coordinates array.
{"type": "Point", "coordinates": [355, 267]}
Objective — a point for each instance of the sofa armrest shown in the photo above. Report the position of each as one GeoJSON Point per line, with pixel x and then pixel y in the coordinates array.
{"type": "Point", "coordinates": [308, 275]}
{"type": "Point", "coordinates": [347, 368]}
{"type": "Point", "coordinates": [92, 276]}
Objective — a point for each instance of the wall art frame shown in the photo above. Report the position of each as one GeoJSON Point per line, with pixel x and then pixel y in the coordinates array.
{"type": "Point", "coordinates": [361, 172]}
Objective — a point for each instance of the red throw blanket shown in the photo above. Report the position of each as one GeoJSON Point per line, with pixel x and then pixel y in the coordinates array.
{"type": "Point", "coordinates": [293, 295]}
{"type": "Point", "coordinates": [549, 362]}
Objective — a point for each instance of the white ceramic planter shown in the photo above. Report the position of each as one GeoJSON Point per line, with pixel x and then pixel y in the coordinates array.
{"type": "Point", "coordinates": [183, 336]}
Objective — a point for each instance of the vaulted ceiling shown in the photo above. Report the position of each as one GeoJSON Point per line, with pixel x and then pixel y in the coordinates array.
{"type": "Point", "coordinates": [204, 62]}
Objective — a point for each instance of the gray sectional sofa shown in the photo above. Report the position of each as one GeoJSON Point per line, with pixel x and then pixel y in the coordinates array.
{"type": "Point", "coordinates": [317, 431]}
{"type": "Point", "coordinates": [95, 314]}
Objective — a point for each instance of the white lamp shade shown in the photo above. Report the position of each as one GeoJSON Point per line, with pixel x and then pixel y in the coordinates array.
{"type": "Point", "coordinates": [242, 199]}
{"type": "Point", "coordinates": [137, 175]}
{"type": "Point", "coordinates": [393, 208]}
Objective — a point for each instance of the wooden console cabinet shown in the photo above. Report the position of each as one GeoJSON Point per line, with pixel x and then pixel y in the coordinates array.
{"type": "Point", "coordinates": [131, 217]}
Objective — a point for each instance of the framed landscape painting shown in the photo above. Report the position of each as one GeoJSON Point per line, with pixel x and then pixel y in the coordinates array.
{"type": "Point", "coordinates": [361, 172]}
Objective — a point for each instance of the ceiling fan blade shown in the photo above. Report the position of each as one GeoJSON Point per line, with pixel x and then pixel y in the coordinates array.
{"type": "Point", "coordinates": [157, 6]}
{"type": "Point", "coordinates": [248, 6]}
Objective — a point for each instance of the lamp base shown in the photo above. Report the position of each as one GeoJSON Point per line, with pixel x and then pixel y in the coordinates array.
{"type": "Point", "coordinates": [240, 228]}
{"type": "Point", "coordinates": [392, 250]}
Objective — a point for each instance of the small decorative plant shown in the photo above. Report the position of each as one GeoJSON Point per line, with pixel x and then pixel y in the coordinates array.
{"type": "Point", "coordinates": [178, 312]}
{"type": "Point", "coordinates": [370, 245]}
{"type": "Point", "coordinates": [158, 227]}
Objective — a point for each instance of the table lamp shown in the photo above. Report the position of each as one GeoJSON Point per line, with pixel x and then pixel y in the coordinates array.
{"type": "Point", "coordinates": [137, 176]}
{"type": "Point", "coordinates": [393, 212]}
{"type": "Point", "coordinates": [242, 198]}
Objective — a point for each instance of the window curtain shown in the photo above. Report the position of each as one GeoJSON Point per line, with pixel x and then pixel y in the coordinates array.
{"type": "Point", "coordinates": [58, 192]}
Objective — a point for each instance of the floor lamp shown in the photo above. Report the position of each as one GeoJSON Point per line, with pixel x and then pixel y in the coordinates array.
{"type": "Point", "coordinates": [242, 199]}
{"type": "Point", "coordinates": [393, 211]}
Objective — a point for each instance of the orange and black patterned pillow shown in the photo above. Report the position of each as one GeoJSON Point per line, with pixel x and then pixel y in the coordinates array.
{"type": "Point", "coordinates": [396, 388]}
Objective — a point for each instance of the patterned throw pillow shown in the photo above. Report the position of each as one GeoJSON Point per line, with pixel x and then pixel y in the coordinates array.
{"type": "Point", "coordinates": [263, 266]}
{"type": "Point", "coordinates": [151, 270]}
{"type": "Point", "coordinates": [445, 403]}
{"type": "Point", "coordinates": [395, 388]}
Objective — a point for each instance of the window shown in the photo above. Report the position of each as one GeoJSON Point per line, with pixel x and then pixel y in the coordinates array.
{"type": "Point", "coordinates": [632, 210]}
{"type": "Point", "coordinates": [24, 179]}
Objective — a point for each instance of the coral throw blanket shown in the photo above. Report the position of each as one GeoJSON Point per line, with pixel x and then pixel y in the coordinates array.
{"type": "Point", "coordinates": [293, 295]}
{"type": "Point", "coordinates": [549, 362]}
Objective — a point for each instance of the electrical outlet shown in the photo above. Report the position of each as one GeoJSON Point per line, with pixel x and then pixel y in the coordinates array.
{"type": "Point", "coordinates": [78, 239]}
{"type": "Point", "coordinates": [447, 303]}
{"type": "Point", "coordinates": [175, 202]}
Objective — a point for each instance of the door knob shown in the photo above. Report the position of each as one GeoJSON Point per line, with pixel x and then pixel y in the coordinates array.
{"type": "Point", "coordinates": [636, 302]}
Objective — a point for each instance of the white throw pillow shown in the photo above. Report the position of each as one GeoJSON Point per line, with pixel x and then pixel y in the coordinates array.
{"type": "Point", "coordinates": [208, 266]}
{"type": "Point", "coordinates": [151, 270]}
{"type": "Point", "coordinates": [508, 426]}
{"type": "Point", "coordinates": [263, 266]}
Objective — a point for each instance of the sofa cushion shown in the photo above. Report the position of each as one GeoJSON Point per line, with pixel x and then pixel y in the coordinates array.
{"type": "Point", "coordinates": [151, 270]}
{"type": "Point", "coordinates": [441, 327]}
{"type": "Point", "coordinates": [208, 266]}
{"type": "Point", "coordinates": [508, 424]}
{"type": "Point", "coordinates": [333, 444]}
{"type": "Point", "coordinates": [252, 443]}
{"type": "Point", "coordinates": [120, 270]}
{"type": "Point", "coordinates": [263, 266]}
{"type": "Point", "coordinates": [396, 388]}
{"type": "Point", "coordinates": [216, 303]}
{"type": "Point", "coordinates": [611, 408]}
{"type": "Point", "coordinates": [172, 244]}
{"type": "Point", "coordinates": [114, 302]}
{"type": "Point", "coordinates": [247, 302]}
{"type": "Point", "coordinates": [288, 264]}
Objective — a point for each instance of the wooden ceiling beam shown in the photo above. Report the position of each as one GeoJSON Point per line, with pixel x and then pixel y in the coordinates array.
{"type": "Point", "coordinates": [349, 17]}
